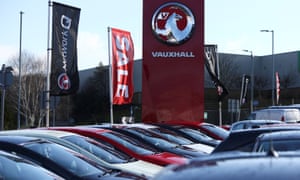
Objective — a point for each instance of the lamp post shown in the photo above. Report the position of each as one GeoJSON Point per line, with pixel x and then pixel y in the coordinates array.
{"type": "Point", "coordinates": [252, 79]}
{"type": "Point", "coordinates": [273, 65]}
{"type": "Point", "coordinates": [6, 80]}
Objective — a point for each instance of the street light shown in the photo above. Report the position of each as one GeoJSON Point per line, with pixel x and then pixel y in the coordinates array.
{"type": "Point", "coordinates": [273, 65]}
{"type": "Point", "coordinates": [5, 81]}
{"type": "Point", "coordinates": [252, 79]}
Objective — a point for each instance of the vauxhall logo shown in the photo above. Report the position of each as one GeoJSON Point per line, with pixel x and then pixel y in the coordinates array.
{"type": "Point", "coordinates": [173, 23]}
{"type": "Point", "coordinates": [65, 22]}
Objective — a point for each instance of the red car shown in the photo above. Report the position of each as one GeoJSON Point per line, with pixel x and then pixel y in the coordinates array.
{"type": "Point", "coordinates": [127, 145]}
{"type": "Point", "coordinates": [211, 130]}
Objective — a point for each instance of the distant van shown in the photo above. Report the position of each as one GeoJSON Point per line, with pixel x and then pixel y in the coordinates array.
{"type": "Point", "coordinates": [289, 115]}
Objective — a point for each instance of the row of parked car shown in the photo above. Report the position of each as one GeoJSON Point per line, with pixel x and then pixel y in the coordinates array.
{"type": "Point", "coordinates": [262, 149]}
{"type": "Point", "coordinates": [108, 151]}
{"type": "Point", "coordinates": [174, 150]}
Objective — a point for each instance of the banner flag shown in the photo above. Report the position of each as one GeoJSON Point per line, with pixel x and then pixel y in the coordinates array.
{"type": "Point", "coordinates": [173, 61]}
{"type": "Point", "coordinates": [245, 83]}
{"type": "Point", "coordinates": [212, 66]}
{"type": "Point", "coordinates": [277, 87]}
{"type": "Point", "coordinates": [64, 71]}
{"type": "Point", "coordinates": [122, 66]}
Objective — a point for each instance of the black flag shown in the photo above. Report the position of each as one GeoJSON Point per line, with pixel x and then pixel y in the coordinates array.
{"type": "Point", "coordinates": [211, 64]}
{"type": "Point", "coordinates": [244, 89]}
{"type": "Point", "coordinates": [64, 70]}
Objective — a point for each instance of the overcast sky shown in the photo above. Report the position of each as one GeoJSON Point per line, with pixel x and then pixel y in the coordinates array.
{"type": "Point", "coordinates": [233, 25]}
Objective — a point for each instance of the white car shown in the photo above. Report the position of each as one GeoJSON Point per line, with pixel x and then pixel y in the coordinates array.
{"type": "Point", "coordinates": [290, 115]}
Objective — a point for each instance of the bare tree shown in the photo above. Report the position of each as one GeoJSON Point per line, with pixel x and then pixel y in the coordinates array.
{"type": "Point", "coordinates": [229, 72]}
{"type": "Point", "coordinates": [260, 84]}
{"type": "Point", "coordinates": [33, 75]}
{"type": "Point", "coordinates": [288, 79]}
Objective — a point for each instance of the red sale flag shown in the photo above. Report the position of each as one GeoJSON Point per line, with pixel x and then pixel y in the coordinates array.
{"type": "Point", "coordinates": [122, 66]}
{"type": "Point", "coordinates": [277, 87]}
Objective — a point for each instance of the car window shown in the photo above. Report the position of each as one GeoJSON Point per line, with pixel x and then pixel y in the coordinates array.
{"type": "Point", "coordinates": [130, 143]}
{"type": "Point", "coordinates": [172, 136]}
{"type": "Point", "coordinates": [196, 134]}
{"type": "Point", "coordinates": [279, 145]}
{"type": "Point", "coordinates": [17, 168]}
{"type": "Point", "coordinates": [71, 162]}
{"type": "Point", "coordinates": [217, 130]}
{"type": "Point", "coordinates": [292, 115]}
{"type": "Point", "coordinates": [237, 126]}
{"type": "Point", "coordinates": [153, 138]}
{"type": "Point", "coordinates": [103, 152]}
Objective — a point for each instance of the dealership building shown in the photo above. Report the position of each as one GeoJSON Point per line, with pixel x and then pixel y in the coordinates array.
{"type": "Point", "coordinates": [233, 67]}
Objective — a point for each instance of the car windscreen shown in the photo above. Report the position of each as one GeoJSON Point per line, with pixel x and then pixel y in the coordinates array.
{"type": "Point", "coordinates": [102, 151]}
{"type": "Point", "coordinates": [217, 130]}
{"type": "Point", "coordinates": [153, 138]}
{"type": "Point", "coordinates": [130, 143]}
{"type": "Point", "coordinates": [196, 134]}
{"type": "Point", "coordinates": [72, 162]}
{"type": "Point", "coordinates": [172, 136]}
{"type": "Point", "coordinates": [12, 167]}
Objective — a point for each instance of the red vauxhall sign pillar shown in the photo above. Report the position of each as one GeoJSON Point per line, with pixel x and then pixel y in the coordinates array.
{"type": "Point", "coordinates": [173, 61]}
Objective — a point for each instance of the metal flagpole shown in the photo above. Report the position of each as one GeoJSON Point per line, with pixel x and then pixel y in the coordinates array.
{"type": "Point", "coordinates": [220, 102]}
{"type": "Point", "coordinates": [110, 77]}
{"type": "Point", "coordinates": [20, 68]}
{"type": "Point", "coordinates": [48, 67]}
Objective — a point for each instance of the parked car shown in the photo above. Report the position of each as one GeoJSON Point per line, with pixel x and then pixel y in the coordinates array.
{"type": "Point", "coordinates": [226, 126]}
{"type": "Point", "coordinates": [154, 140]}
{"type": "Point", "coordinates": [209, 129]}
{"type": "Point", "coordinates": [250, 124]}
{"type": "Point", "coordinates": [127, 144]}
{"type": "Point", "coordinates": [190, 133]}
{"type": "Point", "coordinates": [174, 137]}
{"type": "Point", "coordinates": [58, 159]}
{"type": "Point", "coordinates": [292, 106]}
{"type": "Point", "coordinates": [244, 140]}
{"type": "Point", "coordinates": [278, 141]}
{"type": "Point", "coordinates": [288, 115]}
{"type": "Point", "coordinates": [236, 167]}
{"type": "Point", "coordinates": [102, 154]}
{"type": "Point", "coordinates": [15, 167]}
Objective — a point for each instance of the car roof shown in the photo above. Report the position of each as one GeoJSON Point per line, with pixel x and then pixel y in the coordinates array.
{"type": "Point", "coordinates": [254, 122]}
{"type": "Point", "coordinates": [281, 135]}
{"type": "Point", "coordinates": [90, 129]}
{"type": "Point", "coordinates": [277, 109]}
{"type": "Point", "coordinates": [17, 139]}
{"type": "Point", "coordinates": [41, 132]}
{"type": "Point", "coordinates": [258, 168]}
{"type": "Point", "coordinates": [137, 125]}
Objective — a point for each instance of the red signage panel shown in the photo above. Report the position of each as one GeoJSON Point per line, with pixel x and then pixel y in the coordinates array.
{"type": "Point", "coordinates": [173, 61]}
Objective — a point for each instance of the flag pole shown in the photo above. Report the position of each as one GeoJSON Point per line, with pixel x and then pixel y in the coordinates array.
{"type": "Point", "coordinates": [219, 76]}
{"type": "Point", "coordinates": [48, 67]}
{"type": "Point", "coordinates": [20, 71]}
{"type": "Point", "coordinates": [110, 77]}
